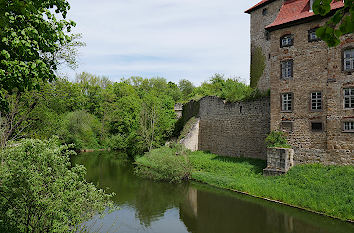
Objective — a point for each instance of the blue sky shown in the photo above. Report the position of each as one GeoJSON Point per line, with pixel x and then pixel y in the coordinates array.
{"type": "Point", "coordinates": [174, 39]}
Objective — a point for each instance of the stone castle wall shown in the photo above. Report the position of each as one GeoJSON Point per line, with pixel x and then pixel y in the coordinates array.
{"type": "Point", "coordinates": [232, 129]}
{"type": "Point", "coordinates": [259, 21]}
{"type": "Point", "coordinates": [316, 68]}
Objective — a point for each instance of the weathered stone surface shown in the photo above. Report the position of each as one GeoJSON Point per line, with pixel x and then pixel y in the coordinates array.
{"type": "Point", "coordinates": [279, 161]}
{"type": "Point", "coordinates": [317, 68]}
{"type": "Point", "coordinates": [259, 39]}
{"type": "Point", "coordinates": [178, 110]}
{"type": "Point", "coordinates": [190, 141]}
{"type": "Point", "coordinates": [232, 129]}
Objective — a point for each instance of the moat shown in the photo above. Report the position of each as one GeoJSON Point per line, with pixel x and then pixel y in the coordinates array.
{"type": "Point", "coordinates": [149, 206]}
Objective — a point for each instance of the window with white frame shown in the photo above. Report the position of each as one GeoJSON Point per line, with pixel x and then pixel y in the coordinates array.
{"type": "Point", "coordinates": [312, 35]}
{"type": "Point", "coordinates": [348, 60]}
{"type": "Point", "coordinates": [348, 97]}
{"type": "Point", "coordinates": [286, 41]}
{"type": "Point", "coordinates": [287, 69]}
{"type": "Point", "coordinates": [348, 126]}
{"type": "Point", "coordinates": [316, 101]}
{"type": "Point", "coordinates": [287, 102]}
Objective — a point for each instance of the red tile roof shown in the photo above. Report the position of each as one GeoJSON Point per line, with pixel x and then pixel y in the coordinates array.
{"type": "Point", "coordinates": [293, 10]}
{"type": "Point", "coordinates": [261, 3]}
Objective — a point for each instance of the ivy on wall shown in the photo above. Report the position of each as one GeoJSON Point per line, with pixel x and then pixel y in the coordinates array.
{"type": "Point", "coordinates": [257, 65]}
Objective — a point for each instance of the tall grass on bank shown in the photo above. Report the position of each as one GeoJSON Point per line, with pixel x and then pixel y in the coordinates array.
{"type": "Point", "coordinates": [168, 164]}
{"type": "Point", "coordinates": [320, 188]}
{"type": "Point", "coordinates": [326, 189]}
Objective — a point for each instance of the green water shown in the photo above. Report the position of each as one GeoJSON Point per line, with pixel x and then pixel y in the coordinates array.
{"type": "Point", "coordinates": [148, 206]}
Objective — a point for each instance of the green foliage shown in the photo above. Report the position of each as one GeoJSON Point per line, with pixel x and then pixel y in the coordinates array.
{"type": "Point", "coordinates": [231, 90]}
{"type": "Point", "coordinates": [41, 192]}
{"type": "Point", "coordinates": [186, 88]}
{"type": "Point", "coordinates": [257, 66]}
{"type": "Point", "coordinates": [81, 129]}
{"type": "Point", "coordinates": [277, 139]}
{"type": "Point", "coordinates": [156, 119]}
{"type": "Point", "coordinates": [341, 23]}
{"type": "Point", "coordinates": [134, 115]}
{"type": "Point", "coordinates": [165, 163]}
{"type": "Point", "coordinates": [31, 41]}
{"type": "Point", "coordinates": [325, 189]}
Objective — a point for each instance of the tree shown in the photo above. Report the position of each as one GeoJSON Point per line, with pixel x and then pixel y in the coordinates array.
{"type": "Point", "coordinates": [81, 129]}
{"type": "Point", "coordinates": [41, 192]}
{"type": "Point", "coordinates": [31, 41]}
{"type": "Point", "coordinates": [186, 88]}
{"type": "Point", "coordinates": [342, 22]}
{"type": "Point", "coordinates": [18, 116]}
{"type": "Point", "coordinates": [157, 119]}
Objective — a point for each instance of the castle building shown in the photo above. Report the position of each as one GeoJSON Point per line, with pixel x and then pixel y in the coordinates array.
{"type": "Point", "coordinates": [312, 85]}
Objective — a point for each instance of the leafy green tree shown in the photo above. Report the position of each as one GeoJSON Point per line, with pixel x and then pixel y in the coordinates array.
{"type": "Point", "coordinates": [186, 88]}
{"type": "Point", "coordinates": [17, 118]}
{"type": "Point", "coordinates": [157, 119]}
{"type": "Point", "coordinates": [81, 129]}
{"type": "Point", "coordinates": [41, 192]}
{"type": "Point", "coordinates": [174, 91]}
{"type": "Point", "coordinates": [30, 38]}
{"type": "Point", "coordinates": [342, 22]}
{"type": "Point", "coordinates": [124, 118]}
{"type": "Point", "coordinates": [230, 89]}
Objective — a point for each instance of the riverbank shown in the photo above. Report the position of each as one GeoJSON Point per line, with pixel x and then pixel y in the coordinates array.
{"type": "Point", "coordinates": [324, 189]}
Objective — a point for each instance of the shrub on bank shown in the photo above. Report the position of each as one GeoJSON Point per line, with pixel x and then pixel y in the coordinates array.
{"type": "Point", "coordinates": [165, 163]}
{"type": "Point", "coordinates": [277, 139]}
{"type": "Point", "coordinates": [41, 192]}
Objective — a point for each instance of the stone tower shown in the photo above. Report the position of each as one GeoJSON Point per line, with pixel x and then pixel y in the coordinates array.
{"type": "Point", "coordinates": [262, 14]}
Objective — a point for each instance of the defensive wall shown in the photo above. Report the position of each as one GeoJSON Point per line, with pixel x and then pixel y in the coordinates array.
{"type": "Point", "coordinates": [230, 129]}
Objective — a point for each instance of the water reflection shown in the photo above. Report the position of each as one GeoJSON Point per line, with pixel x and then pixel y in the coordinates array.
{"type": "Point", "coordinates": [147, 206]}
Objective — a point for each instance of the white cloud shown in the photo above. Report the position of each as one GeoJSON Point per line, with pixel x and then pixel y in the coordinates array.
{"type": "Point", "coordinates": [172, 38]}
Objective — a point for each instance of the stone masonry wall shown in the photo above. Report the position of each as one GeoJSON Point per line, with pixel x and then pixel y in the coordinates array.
{"type": "Point", "coordinates": [316, 68]}
{"type": "Point", "coordinates": [190, 141]}
{"type": "Point", "coordinates": [234, 129]}
{"type": "Point", "coordinates": [258, 37]}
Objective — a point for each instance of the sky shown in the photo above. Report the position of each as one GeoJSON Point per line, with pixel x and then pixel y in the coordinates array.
{"type": "Point", "coordinates": [173, 39]}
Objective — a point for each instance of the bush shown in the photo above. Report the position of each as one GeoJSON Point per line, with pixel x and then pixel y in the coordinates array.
{"type": "Point", "coordinates": [81, 129]}
{"type": "Point", "coordinates": [41, 192]}
{"type": "Point", "coordinates": [277, 139]}
{"type": "Point", "coordinates": [165, 163]}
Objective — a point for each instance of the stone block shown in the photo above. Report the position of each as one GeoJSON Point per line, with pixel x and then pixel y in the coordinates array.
{"type": "Point", "coordinates": [279, 161]}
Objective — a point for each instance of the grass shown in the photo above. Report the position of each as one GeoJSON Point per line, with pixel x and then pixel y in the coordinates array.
{"type": "Point", "coordinates": [168, 164]}
{"type": "Point", "coordinates": [325, 189]}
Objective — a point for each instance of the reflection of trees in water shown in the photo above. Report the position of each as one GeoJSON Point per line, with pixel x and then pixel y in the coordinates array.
{"type": "Point", "coordinates": [150, 199]}
{"type": "Point", "coordinates": [153, 199]}
{"type": "Point", "coordinates": [202, 210]}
